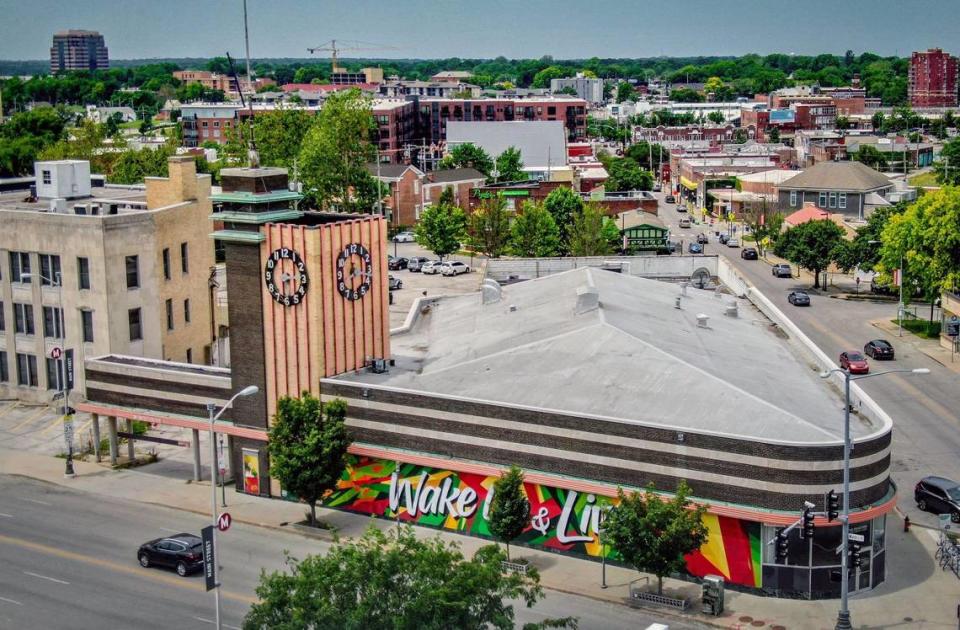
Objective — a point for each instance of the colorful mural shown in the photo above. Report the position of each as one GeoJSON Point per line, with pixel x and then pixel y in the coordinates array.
{"type": "Point", "coordinates": [561, 520]}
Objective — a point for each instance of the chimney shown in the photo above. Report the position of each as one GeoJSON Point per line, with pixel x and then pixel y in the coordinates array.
{"type": "Point", "coordinates": [683, 288]}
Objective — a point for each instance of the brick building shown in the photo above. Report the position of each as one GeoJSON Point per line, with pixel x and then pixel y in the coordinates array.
{"type": "Point", "coordinates": [933, 79]}
{"type": "Point", "coordinates": [217, 81]}
{"type": "Point", "coordinates": [78, 50]}
{"type": "Point", "coordinates": [411, 190]}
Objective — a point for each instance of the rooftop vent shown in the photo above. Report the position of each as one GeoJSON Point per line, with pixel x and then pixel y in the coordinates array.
{"type": "Point", "coordinates": [683, 288]}
{"type": "Point", "coordinates": [491, 291]}
{"type": "Point", "coordinates": [513, 308]}
{"type": "Point", "coordinates": [702, 320]}
{"type": "Point", "coordinates": [676, 302]}
{"type": "Point", "coordinates": [588, 299]}
{"type": "Point", "coordinates": [732, 310]}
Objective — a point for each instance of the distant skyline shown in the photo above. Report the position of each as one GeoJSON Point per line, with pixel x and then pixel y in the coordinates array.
{"type": "Point", "coordinates": [565, 29]}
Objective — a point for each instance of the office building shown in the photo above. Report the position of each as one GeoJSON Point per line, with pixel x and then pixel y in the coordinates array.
{"type": "Point", "coordinates": [933, 79]}
{"type": "Point", "coordinates": [78, 50]}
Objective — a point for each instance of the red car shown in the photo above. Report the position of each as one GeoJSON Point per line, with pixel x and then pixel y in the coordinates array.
{"type": "Point", "coordinates": [854, 362]}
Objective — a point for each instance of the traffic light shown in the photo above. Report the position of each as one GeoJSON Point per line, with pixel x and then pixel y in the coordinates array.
{"type": "Point", "coordinates": [833, 506]}
{"type": "Point", "coordinates": [782, 547]}
{"type": "Point", "coordinates": [855, 559]}
{"type": "Point", "coordinates": [808, 523]}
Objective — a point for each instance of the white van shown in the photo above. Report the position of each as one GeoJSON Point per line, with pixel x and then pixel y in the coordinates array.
{"type": "Point", "coordinates": [684, 222]}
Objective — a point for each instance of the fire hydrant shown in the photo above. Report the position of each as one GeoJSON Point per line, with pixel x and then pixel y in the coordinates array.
{"type": "Point", "coordinates": [906, 523]}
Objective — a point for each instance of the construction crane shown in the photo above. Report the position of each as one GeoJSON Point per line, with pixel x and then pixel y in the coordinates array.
{"type": "Point", "coordinates": [353, 45]}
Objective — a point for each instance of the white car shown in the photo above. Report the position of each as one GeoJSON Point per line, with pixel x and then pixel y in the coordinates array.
{"type": "Point", "coordinates": [404, 237]}
{"type": "Point", "coordinates": [430, 267]}
{"type": "Point", "coordinates": [454, 268]}
{"type": "Point", "coordinates": [733, 242]}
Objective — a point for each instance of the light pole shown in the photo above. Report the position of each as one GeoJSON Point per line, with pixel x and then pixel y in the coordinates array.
{"type": "Point", "coordinates": [211, 408]}
{"type": "Point", "coordinates": [900, 308]}
{"type": "Point", "coordinates": [843, 617]}
{"type": "Point", "coordinates": [61, 360]}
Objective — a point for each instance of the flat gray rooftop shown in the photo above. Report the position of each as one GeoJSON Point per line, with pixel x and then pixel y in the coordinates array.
{"type": "Point", "coordinates": [635, 358]}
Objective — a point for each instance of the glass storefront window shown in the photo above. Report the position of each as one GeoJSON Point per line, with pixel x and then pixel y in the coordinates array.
{"type": "Point", "coordinates": [879, 533]}
{"type": "Point", "coordinates": [826, 540]}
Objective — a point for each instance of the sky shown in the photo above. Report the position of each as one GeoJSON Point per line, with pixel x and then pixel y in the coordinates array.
{"type": "Point", "coordinates": [565, 29]}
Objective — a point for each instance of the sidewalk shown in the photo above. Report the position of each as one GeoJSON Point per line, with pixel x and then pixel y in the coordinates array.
{"type": "Point", "coordinates": [929, 347]}
{"type": "Point", "coordinates": [916, 594]}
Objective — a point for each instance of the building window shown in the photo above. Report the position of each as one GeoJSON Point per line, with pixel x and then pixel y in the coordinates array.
{"type": "Point", "coordinates": [189, 355]}
{"type": "Point", "coordinates": [83, 273]}
{"type": "Point", "coordinates": [49, 270]}
{"type": "Point", "coordinates": [186, 310]}
{"type": "Point", "coordinates": [184, 259]}
{"type": "Point", "coordinates": [166, 263]}
{"type": "Point", "coordinates": [793, 199]}
{"type": "Point", "coordinates": [54, 375]}
{"type": "Point", "coordinates": [47, 177]}
{"type": "Point", "coordinates": [26, 370]}
{"type": "Point", "coordinates": [23, 318]}
{"type": "Point", "coordinates": [53, 323]}
{"type": "Point", "coordinates": [833, 200]}
{"type": "Point", "coordinates": [169, 308]}
{"type": "Point", "coordinates": [4, 374]}
{"type": "Point", "coordinates": [203, 124]}
{"type": "Point", "coordinates": [133, 320]}
{"type": "Point", "coordinates": [842, 200]}
{"type": "Point", "coordinates": [3, 323]}
{"type": "Point", "coordinates": [133, 272]}
{"type": "Point", "coordinates": [19, 266]}
{"type": "Point", "coordinates": [86, 322]}
{"type": "Point", "coordinates": [822, 200]}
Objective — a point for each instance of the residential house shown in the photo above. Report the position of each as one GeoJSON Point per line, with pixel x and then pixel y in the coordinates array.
{"type": "Point", "coordinates": [848, 188]}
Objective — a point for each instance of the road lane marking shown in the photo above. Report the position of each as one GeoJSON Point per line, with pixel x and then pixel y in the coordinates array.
{"type": "Point", "coordinates": [46, 577]}
{"type": "Point", "coordinates": [6, 515]}
{"type": "Point", "coordinates": [30, 418]}
{"type": "Point", "coordinates": [37, 501]}
{"type": "Point", "coordinates": [135, 569]}
{"type": "Point", "coordinates": [9, 407]}
{"type": "Point", "coordinates": [56, 424]}
{"type": "Point", "coordinates": [10, 601]}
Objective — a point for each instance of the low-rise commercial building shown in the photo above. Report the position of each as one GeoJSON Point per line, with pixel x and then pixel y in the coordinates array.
{"type": "Point", "coordinates": [589, 89]}
{"type": "Point", "coordinates": [848, 188]}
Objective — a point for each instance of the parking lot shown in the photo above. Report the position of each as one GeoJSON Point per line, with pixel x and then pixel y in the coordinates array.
{"type": "Point", "coordinates": [417, 284]}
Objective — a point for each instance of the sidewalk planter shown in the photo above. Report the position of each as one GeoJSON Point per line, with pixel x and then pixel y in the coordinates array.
{"type": "Point", "coordinates": [639, 598]}
{"type": "Point", "coordinates": [520, 566]}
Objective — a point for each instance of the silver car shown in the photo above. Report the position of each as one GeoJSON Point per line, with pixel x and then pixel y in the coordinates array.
{"type": "Point", "coordinates": [430, 267]}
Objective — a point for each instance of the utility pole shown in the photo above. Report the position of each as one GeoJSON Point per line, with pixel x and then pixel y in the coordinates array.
{"type": "Point", "coordinates": [246, 40]}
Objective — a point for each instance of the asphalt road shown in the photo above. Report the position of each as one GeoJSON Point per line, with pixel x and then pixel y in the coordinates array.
{"type": "Point", "coordinates": [925, 408]}
{"type": "Point", "coordinates": [69, 561]}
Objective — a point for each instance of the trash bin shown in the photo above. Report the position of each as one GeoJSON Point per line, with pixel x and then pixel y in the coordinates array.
{"type": "Point", "coordinates": [712, 595]}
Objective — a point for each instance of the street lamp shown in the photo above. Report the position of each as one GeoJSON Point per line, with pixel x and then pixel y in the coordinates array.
{"type": "Point", "coordinates": [250, 390]}
{"type": "Point", "coordinates": [61, 360]}
{"type": "Point", "coordinates": [843, 617]}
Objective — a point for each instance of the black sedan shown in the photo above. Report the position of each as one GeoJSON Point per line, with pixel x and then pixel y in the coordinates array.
{"type": "Point", "coordinates": [671, 199]}
{"type": "Point", "coordinates": [396, 264]}
{"type": "Point", "coordinates": [749, 253]}
{"type": "Point", "coordinates": [798, 298]}
{"type": "Point", "coordinates": [938, 495]}
{"type": "Point", "coordinates": [879, 349]}
{"type": "Point", "coordinates": [703, 239]}
{"type": "Point", "coordinates": [183, 552]}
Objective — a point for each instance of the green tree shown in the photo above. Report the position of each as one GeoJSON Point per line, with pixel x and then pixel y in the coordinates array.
{"type": "Point", "coordinates": [510, 166]}
{"type": "Point", "coordinates": [652, 534]}
{"type": "Point", "coordinates": [765, 222]}
{"type": "Point", "coordinates": [712, 84]}
{"type": "Point", "coordinates": [542, 78]}
{"type": "Point", "coordinates": [468, 155]}
{"type": "Point", "coordinates": [510, 509]}
{"type": "Point", "coordinates": [441, 229]}
{"type": "Point", "coordinates": [926, 237]}
{"type": "Point", "coordinates": [625, 92]}
{"type": "Point", "coordinates": [132, 166]}
{"type": "Point", "coordinates": [534, 233]}
{"type": "Point", "coordinates": [811, 245]}
{"type": "Point", "coordinates": [871, 156]}
{"type": "Point", "coordinates": [488, 227]}
{"type": "Point", "coordinates": [774, 135]}
{"type": "Point", "coordinates": [279, 135]}
{"type": "Point", "coordinates": [947, 167]}
{"type": "Point", "coordinates": [843, 122]}
{"type": "Point", "coordinates": [395, 581]}
{"type": "Point", "coordinates": [685, 95]}
{"type": "Point", "coordinates": [588, 236]}
{"type": "Point", "coordinates": [716, 117]}
{"type": "Point", "coordinates": [625, 174]}
{"type": "Point", "coordinates": [337, 149]}
{"type": "Point", "coordinates": [563, 204]}
{"type": "Point", "coordinates": [863, 251]}
{"type": "Point", "coordinates": [308, 447]}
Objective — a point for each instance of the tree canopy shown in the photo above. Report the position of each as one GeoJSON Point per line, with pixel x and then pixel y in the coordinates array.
{"type": "Point", "coordinates": [563, 204]}
{"type": "Point", "coordinates": [468, 155]}
{"type": "Point", "coordinates": [534, 233]}
{"type": "Point", "coordinates": [811, 245]}
{"type": "Point", "coordinates": [510, 508]}
{"type": "Point", "coordinates": [510, 165]}
{"type": "Point", "coordinates": [441, 228]}
{"type": "Point", "coordinates": [279, 135]}
{"type": "Point", "coordinates": [488, 227]}
{"type": "Point", "coordinates": [625, 174]}
{"type": "Point", "coordinates": [592, 234]}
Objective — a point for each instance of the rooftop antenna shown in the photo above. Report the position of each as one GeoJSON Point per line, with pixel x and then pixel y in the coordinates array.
{"type": "Point", "coordinates": [246, 41]}
{"type": "Point", "coordinates": [252, 156]}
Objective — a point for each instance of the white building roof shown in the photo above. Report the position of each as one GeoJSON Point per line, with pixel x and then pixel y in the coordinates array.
{"type": "Point", "coordinates": [541, 143]}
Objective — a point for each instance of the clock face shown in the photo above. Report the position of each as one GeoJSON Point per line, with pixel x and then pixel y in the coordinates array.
{"type": "Point", "coordinates": [354, 271]}
{"type": "Point", "coordinates": [285, 275]}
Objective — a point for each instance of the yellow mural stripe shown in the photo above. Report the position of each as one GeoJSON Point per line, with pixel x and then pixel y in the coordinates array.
{"type": "Point", "coordinates": [714, 550]}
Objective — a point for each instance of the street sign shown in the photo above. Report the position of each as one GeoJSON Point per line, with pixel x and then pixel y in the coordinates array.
{"type": "Point", "coordinates": [209, 558]}
{"type": "Point", "coordinates": [56, 353]}
{"type": "Point", "coordinates": [953, 327]}
{"type": "Point", "coordinates": [856, 537]}
{"type": "Point", "coordinates": [223, 521]}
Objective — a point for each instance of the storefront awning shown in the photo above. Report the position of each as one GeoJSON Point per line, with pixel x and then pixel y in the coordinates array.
{"type": "Point", "coordinates": [686, 183]}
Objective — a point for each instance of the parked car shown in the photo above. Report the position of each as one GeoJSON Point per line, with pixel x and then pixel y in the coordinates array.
{"type": "Point", "coordinates": [854, 362]}
{"type": "Point", "coordinates": [657, 187]}
{"type": "Point", "coordinates": [879, 288]}
{"type": "Point", "coordinates": [405, 237]}
{"type": "Point", "coordinates": [395, 264]}
{"type": "Point", "coordinates": [671, 199]}
{"type": "Point", "coordinates": [782, 270]}
{"type": "Point", "coordinates": [681, 207]}
{"type": "Point", "coordinates": [695, 248]}
{"type": "Point", "coordinates": [454, 268]}
{"type": "Point", "coordinates": [183, 553]}
{"type": "Point", "coordinates": [733, 242]}
{"type": "Point", "coordinates": [749, 253]}
{"type": "Point", "coordinates": [879, 349]}
{"type": "Point", "coordinates": [938, 495]}
{"type": "Point", "coordinates": [394, 283]}
{"type": "Point", "coordinates": [799, 298]}
{"type": "Point", "coordinates": [703, 239]}
{"type": "Point", "coordinates": [414, 264]}
{"type": "Point", "coordinates": [684, 222]}
{"type": "Point", "coordinates": [430, 267]}
{"type": "Point", "coordinates": [723, 238]}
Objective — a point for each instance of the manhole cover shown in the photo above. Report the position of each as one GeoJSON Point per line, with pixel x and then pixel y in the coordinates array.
{"type": "Point", "coordinates": [746, 619]}
{"type": "Point", "coordinates": [758, 623]}
{"type": "Point", "coordinates": [908, 619]}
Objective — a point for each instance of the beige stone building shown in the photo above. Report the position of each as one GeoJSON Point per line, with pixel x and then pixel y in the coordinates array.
{"type": "Point", "coordinates": [113, 270]}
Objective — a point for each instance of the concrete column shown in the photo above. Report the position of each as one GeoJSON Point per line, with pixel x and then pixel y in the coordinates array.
{"type": "Point", "coordinates": [96, 436]}
{"type": "Point", "coordinates": [130, 454]}
{"type": "Point", "coordinates": [229, 457]}
{"type": "Point", "coordinates": [112, 428]}
{"type": "Point", "coordinates": [196, 454]}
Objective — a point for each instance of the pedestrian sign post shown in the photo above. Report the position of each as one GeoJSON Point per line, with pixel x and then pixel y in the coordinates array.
{"type": "Point", "coordinates": [224, 521]}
